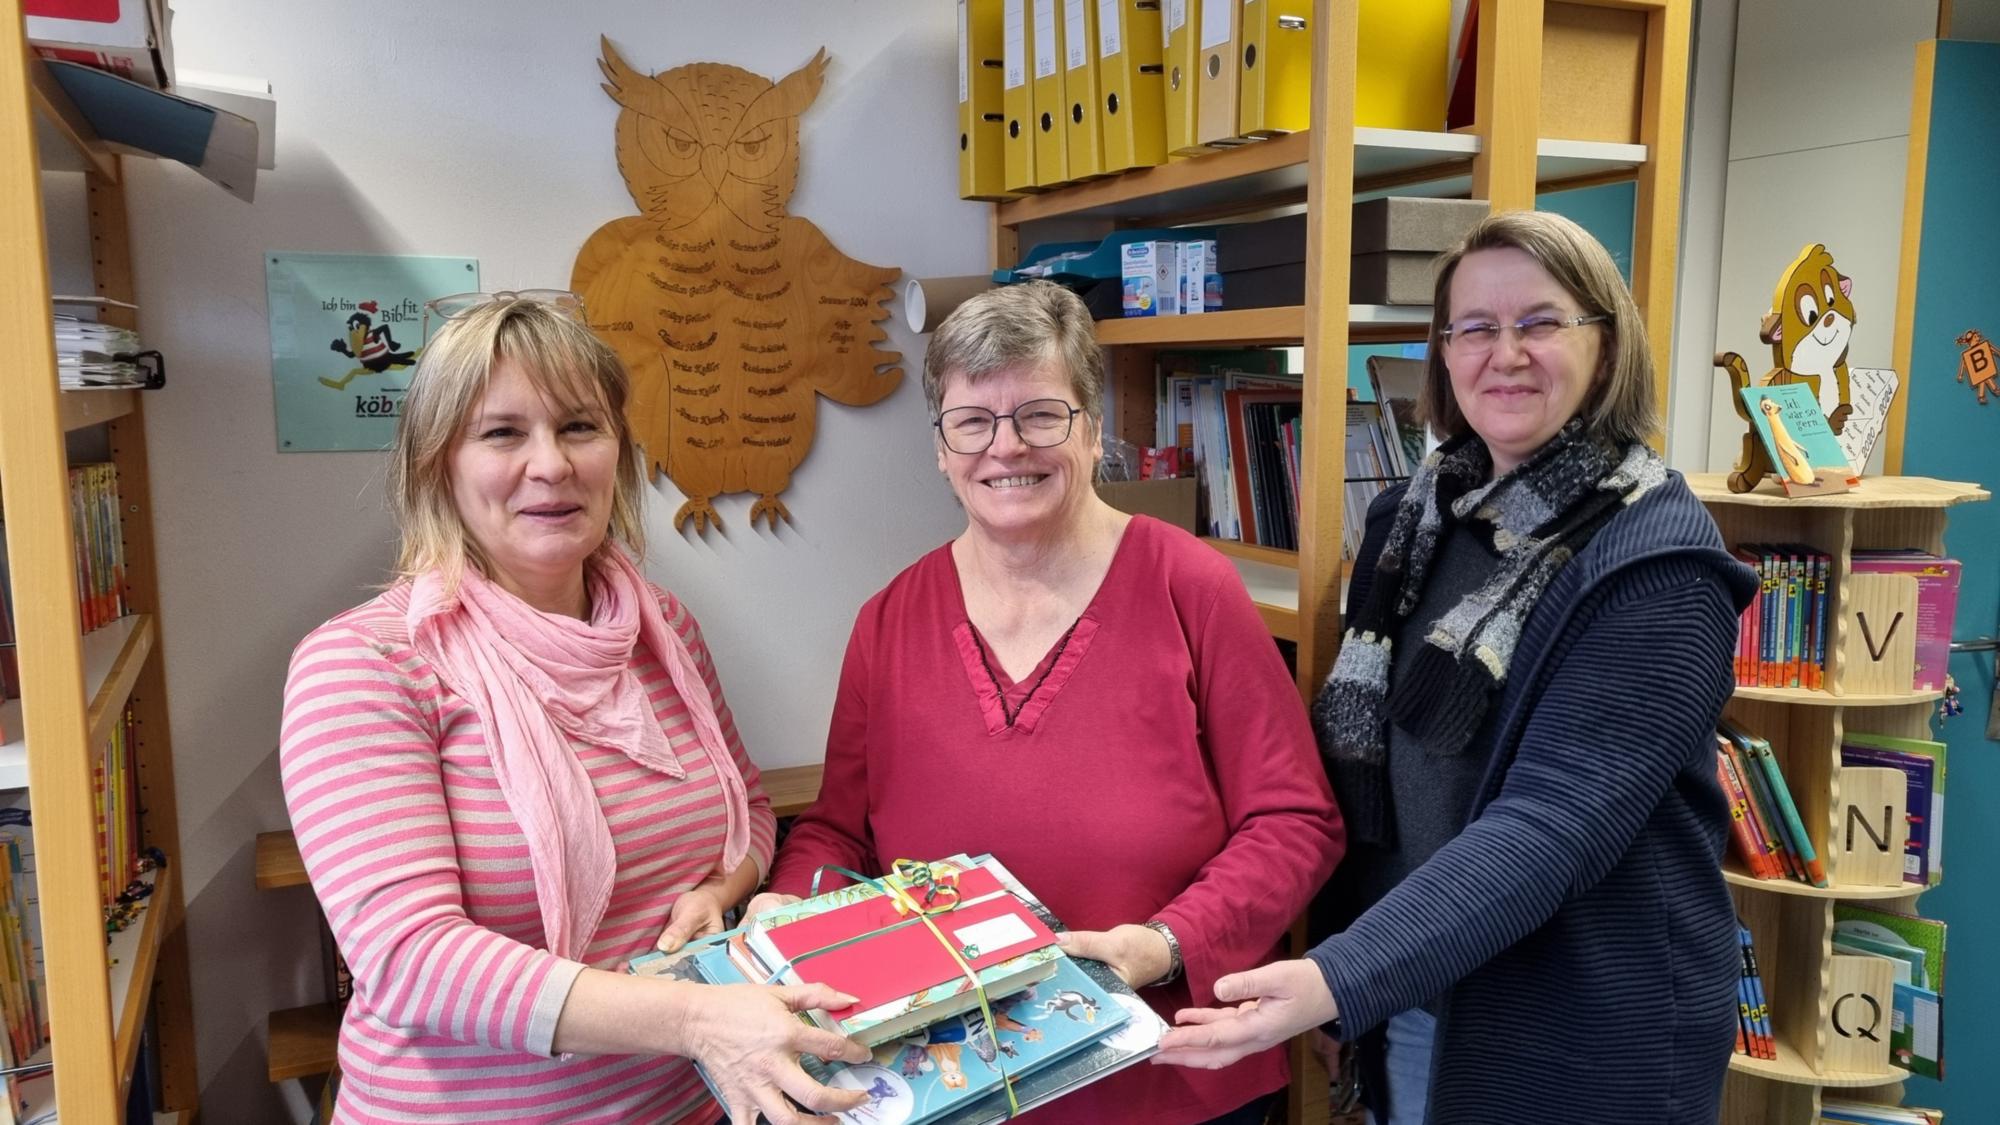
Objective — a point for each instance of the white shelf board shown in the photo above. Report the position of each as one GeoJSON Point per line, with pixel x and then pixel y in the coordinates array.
{"type": "Point", "coordinates": [1383, 152]}
{"type": "Point", "coordinates": [100, 651]}
{"type": "Point", "coordinates": [1271, 585]}
{"type": "Point", "coordinates": [1555, 160]}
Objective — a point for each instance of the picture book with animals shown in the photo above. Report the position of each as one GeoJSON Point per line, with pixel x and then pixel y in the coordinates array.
{"type": "Point", "coordinates": [1053, 1037]}
{"type": "Point", "coordinates": [1806, 458]}
{"type": "Point", "coordinates": [861, 941]}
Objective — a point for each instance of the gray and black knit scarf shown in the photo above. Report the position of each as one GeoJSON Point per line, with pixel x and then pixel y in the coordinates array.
{"type": "Point", "coordinates": [1535, 519]}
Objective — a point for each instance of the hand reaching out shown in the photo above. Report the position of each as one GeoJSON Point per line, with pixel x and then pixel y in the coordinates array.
{"type": "Point", "coordinates": [748, 1039]}
{"type": "Point", "coordinates": [1277, 1002]}
{"type": "Point", "coordinates": [769, 900]}
{"type": "Point", "coordinates": [696, 913]}
{"type": "Point", "coordinates": [1138, 954]}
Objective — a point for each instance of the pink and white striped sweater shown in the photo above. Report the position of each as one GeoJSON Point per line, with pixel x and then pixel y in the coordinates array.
{"type": "Point", "coordinates": [425, 879]}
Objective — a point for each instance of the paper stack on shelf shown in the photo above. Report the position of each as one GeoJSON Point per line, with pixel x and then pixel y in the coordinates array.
{"type": "Point", "coordinates": [86, 354]}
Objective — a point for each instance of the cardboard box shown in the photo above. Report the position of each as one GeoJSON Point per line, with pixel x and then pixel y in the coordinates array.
{"type": "Point", "coordinates": [1169, 501]}
{"type": "Point", "coordinates": [1151, 275]}
{"type": "Point", "coordinates": [126, 37]}
{"type": "Point", "coordinates": [1265, 288]}
{"type": "Point", "coordinates": [1593, 72]}
{"type": "Point", "coordinates": [1393, 277]}
{"type": "Point", "coordinates": [1258, 245]}
{"type": "Point", "coordinates": [1405, 223]}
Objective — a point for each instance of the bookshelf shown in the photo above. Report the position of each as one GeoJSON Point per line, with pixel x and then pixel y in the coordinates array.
{"type": "Point", "coordinates": [75, 687]}
{"type": "Point", "coordinates": [1326, 169]}
{"type": "Point", "coordinates": [1502, 158]}
{"type": "Point", "coordinates": [1792, 923]}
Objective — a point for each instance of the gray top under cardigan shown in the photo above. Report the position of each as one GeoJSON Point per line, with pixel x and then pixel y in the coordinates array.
{"type": "Point", "coordinates": [1578, 929]}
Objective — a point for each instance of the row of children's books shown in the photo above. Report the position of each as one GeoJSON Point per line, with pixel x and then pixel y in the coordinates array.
{"type": "Point", "coordinates": [1922, 762]}
{"type": "Point", "coordinates": [1915, 949]}
{"type": "Point", "coordinates": [1048, 1024]}
{"type": "Point", "coordinates": [1768, 834]}
{"type": "Point", "coordinates": [1781, 641]}
{"type": "Point", "coordinates": [99, 551]}
{"type": "Point", "coordinates": [1753, 1023]}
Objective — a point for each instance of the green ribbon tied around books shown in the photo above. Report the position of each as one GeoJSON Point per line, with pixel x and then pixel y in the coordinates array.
{"type": "Point", "coordinates": [918, 890]}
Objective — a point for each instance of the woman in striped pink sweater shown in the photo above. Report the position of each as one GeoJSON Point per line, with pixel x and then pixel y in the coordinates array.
{"type": "Point", "coordinates": [513, 771]}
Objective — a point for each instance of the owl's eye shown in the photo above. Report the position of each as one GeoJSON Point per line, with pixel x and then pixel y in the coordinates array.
{"type": "Point", "coordinates": [753, 145]}
{"type": "Point", "coordinates": [680, 144]}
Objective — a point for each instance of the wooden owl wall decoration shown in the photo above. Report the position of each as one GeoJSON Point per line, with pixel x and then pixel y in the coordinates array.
{"type": "Point", "coordinates": [730, 313]}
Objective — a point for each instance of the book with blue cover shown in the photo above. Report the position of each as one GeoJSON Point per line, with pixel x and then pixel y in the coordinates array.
{"type": "Point", "coordinates": [1053, 1037]}
{"type": "Point", "coordinates": [1805, 455]}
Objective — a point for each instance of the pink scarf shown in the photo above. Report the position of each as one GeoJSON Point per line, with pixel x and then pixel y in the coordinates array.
{"type": "Point", "coordinates": [538, 680]}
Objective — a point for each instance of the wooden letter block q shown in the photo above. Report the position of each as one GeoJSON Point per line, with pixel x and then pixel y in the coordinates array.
{"type": "Point", "coordinates": [1857, 1035]}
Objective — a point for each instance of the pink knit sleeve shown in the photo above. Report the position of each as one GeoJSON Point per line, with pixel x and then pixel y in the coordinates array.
{"type": "Point", "coordinates": [763, 825]}
{"type": "Point", "coordinates": [360, 760]}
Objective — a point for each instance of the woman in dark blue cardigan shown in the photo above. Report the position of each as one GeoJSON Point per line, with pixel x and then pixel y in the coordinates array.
{"type": "Point", "coordinates": [1520, 729]}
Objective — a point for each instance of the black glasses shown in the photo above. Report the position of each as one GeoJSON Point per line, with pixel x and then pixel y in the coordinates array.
{"type": "Point", "coordinates": [1041, 423]}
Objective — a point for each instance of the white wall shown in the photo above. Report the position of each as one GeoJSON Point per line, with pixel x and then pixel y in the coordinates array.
{"type": "Point", "coordinates": [480, 130]}
{"type": "Point", "coordinates": [1691, 394]}
{"type": "Point", "coordinates": [1818, 144]}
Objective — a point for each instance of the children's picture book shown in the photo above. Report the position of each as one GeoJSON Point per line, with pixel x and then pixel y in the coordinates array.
{"type": "Point", "coordinates": [1806, 457]}
{"type": "Point", "coordinates": [1922, 762]}
{"type": "Point", "coordinates": [1917, 946]}
{"type": "Point", "coordinates": [1051, 1038]}
{"type": "Point", "coordinates": [1937, 605]}
{"type": "Point", "coordinates": [861, 941]}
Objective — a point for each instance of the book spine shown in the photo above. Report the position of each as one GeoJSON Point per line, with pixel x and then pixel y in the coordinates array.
{"type": "Point", "coordinates": [1760, 1009]}
{"type": "Point", "coordinates": [1755, 857]}
{"type": "Point", "coordinates": [1767, 658]}
{"type": "Point", "coordinates": [1762, 813]}
{"type": "Point", "coordinates": [1810, 600]}
{"type": "Point", "coordinates": [1794, 828]}
{"type": "Point", "coordinates": [1795, 636]}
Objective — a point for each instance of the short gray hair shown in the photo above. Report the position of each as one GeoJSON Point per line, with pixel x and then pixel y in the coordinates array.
{"type": "Point", "coordinates": [1032, 322]}
{"type": "Point", "coordinates": [1620, 407]}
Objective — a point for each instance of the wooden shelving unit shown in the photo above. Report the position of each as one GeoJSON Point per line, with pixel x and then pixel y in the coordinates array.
{"type": "Point", "coordinates": [302, 1041]}
{"type": "Point", "coordinates": [76, 688]}
{"type": "Point", "coordinates": [1792, 923]}
{"type": "Point", "coordinates": [1503, 159]}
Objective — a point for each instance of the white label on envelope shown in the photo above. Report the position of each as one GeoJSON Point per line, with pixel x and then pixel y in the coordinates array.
{"type": "Point", "coordinates": [995, 933]}
{"type": "Point", "coordinates": [1110, 28]}
{"type": "Point", "coordinates": [1014, 49]}
{"type": "Point", "coordinates": [1215, 23]}
{"type": "Point", "coordinates": [1076, 46]}
{"type": "Point", "coordinates": [1045, 38]}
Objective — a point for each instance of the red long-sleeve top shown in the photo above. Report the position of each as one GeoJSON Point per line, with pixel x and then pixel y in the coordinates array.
{"type": "Point", "coordinates": [1163, 769]}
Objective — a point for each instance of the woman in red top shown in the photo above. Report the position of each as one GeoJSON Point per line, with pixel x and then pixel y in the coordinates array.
{"type": "Point", "coordinates": [1087, 695]}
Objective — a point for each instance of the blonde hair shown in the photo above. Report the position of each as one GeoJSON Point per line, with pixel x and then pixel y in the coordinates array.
{"type": "Point", "coordinates": [564, 361]}
{"type": "Point", "coordinates": [1619, 407]}
{"type": "Point", "coordinates": [1001, 328]}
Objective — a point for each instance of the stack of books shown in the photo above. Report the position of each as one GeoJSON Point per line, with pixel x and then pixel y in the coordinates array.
{"type": "Point", "coordinates": [1056, 1024]}
{"type": "Point", "coordinates": [1922, 762]}
{"type": "Point", "coordinates": [1769, 836]}
{"type": "Point", "coordinates": [1753, 1025]}
{"type": "Point", "coordinates": [1914, 947]}
{"type": "Point", "coordinates": [1781, 641]}
{"type": "Point", "coordinates": [1937, 604]}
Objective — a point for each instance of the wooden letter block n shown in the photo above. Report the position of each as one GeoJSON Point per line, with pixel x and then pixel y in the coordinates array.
{"type": "Point", "coordinates": [1857, 1032]}
{"type": "Point", "coordinates": [1874, 828]}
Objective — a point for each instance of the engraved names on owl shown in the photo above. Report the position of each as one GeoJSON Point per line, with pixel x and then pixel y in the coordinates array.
{"type": "Point", "coordinates": [731, 313]}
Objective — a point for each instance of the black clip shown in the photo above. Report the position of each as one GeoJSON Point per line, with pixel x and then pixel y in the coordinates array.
{"type": "Point", "coordinates": [152, 363]}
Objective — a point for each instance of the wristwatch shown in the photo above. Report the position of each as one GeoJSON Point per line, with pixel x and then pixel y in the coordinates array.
{"type": "Point", "coordinates": [1173, 951]}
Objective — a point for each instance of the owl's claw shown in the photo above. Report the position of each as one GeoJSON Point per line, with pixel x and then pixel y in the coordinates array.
{"type": "Point", "coordinates": [769, 507]}
{"type": "Point", "coordinates": [703, 514]}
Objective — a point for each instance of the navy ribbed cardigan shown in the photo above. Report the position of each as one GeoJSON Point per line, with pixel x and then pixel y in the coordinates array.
{"type": "Point", "coordinates": [1578, 927]}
